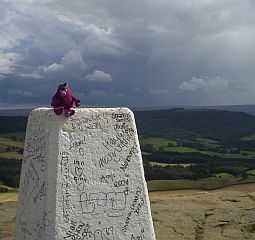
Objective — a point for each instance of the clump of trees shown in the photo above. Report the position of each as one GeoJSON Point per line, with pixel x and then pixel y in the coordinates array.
{"type": "Point", "coordinates": [201, 165]}
{"type": "Point", "coordinates": [3, 189]}
{"type": "Point", "coordinates": [10, 171]}
{"type": "Point", "coordinates": [236, 167]}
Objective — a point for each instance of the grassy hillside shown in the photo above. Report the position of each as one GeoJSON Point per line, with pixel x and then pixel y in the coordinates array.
{"type": "Point", "coordinates": [182, 148]}
{"type": "Point", "coordinates": [210, 183]}
{"type": "Point", "coordinates": [205, 149]}
{"type": "Point", "coordinates": [12, 124]}
{"type": "Point", "coordinates": [214, 124]}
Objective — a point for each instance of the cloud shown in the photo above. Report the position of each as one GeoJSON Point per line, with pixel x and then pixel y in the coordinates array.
{"type": "Point", "coordinates": [71, 61]}
{"type": "Point", "coordinates": [8, 62]}
{"type": "Point", "coordinates": [10, 34]}
{"type": "Point", "coordinates": [33, 75]}
{"type": "Point", "coordinates": [52, 68]}
{"type": "Point", "coordinates": [158, 91]}
{"type": "Point", "coordinates": [120, 94]}
{"type": "Point", "coordinates": [150, 48]}
{"type": "Point", "coordinates": [204, 84]}
{"type": "Point", "coordinates": [135, 88]}
{"type": "Point", "coordinates": [94, 94]}
{"type": "Point", "coordinates": [99, 76]}
{"type": "Point", "coordinates": [74, 59]}
{"type": "Point", "coordinates": [23, 93]}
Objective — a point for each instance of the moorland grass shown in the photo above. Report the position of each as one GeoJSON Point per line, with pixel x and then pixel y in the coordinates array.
{"type": "Point", "coordinates": [18, 135]}
{"type": "Point", "coordinates": [210, 183]}
{"type": "Point", "coordinates": [11, 155]}
{"type": "Point", "coordinates": [248, 138]}
{"type": "Point", "coordinates": [163, 143]}
{"type": "Point", "coordinates": [170, 164]}
{"type": "Point", "coordinates": [157, 142]}
{"type": "Point", "coordinates": [242, 154]}
{"type": "Point", "coordinates": [14, 147]}
{"type": "Point", "coordinates": [9, 196]}
{"type": "Point", "coordinates": [251, 172]}
{"type": "Point", "coordinates": [207, 141]}
{"type": "Point", "coordinates": [6, 142]}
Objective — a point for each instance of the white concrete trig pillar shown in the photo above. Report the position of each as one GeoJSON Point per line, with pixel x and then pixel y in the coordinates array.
{"type": "Point", "coordinates": [82, 178]}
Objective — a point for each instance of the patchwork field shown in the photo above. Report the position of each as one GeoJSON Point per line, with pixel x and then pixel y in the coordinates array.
{"type": "Point", "coordinates": [184, 146]}
{"type": "Point", "coordinates": [163, 145]}
{"type": "Point", "coordinates": [203, 163]}
{"type": "Point", "coordinates": [187, 152]}
{"type": "Point", "coordinates": [11, 147]}
{"type": "Point", "coordinates": [221, 180]}
{"type": "Point", "coordinates": [20, 136]}
{"type": "Point", "coordinates": [154, 164]}
{"type": "Point", "coordinates": [158, 142]}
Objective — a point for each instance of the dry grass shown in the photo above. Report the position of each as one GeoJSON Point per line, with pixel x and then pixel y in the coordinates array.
{"type": "Point", "coordinates": [6, 142]}
{"type": "Point", "coordinates": [11, 155]}
{"type": "Point", "coordinates": [7, 219]}
{"type": "Point", "coordinates": [8, 197]}
{"type": "Point", "coordinates": [170, 164]}
{"type": "Point", "coordinates": [220, 181]}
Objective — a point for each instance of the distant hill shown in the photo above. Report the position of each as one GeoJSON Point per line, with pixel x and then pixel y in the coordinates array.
{"type": "Point", "coordinates": [248, 108]}
{"type": "Point", "coordinates": [15, 112]}
{"type": "Point", "coordinates": [216, 124]}
{"type": "Point", "coordinates": [12, 124]}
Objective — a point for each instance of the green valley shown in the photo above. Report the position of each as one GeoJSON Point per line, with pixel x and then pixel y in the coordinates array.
{"type": "Point", "coordinates": [181, 148]}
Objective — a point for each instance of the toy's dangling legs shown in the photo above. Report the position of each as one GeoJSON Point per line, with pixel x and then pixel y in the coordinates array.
{"type": "Point", "coordinates": [59, 110]}
{"type": "Point", "coordinates": [69, 112]}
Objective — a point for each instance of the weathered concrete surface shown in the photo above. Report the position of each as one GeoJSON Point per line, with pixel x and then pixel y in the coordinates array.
{"type": "Point", "coordinates": [219, 215]}
{"type": "Point", "coordinates": [82, 178]}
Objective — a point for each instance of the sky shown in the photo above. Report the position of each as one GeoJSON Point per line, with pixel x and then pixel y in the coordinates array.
{"type": "Point", "coordinates": [128, 53]}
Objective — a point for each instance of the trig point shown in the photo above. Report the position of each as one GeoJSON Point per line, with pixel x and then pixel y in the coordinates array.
{"type": "Point", "coordinates": [82, 178]}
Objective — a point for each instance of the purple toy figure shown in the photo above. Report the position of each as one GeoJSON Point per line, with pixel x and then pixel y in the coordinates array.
{"type": "Point", "coordinates": [63, 101]}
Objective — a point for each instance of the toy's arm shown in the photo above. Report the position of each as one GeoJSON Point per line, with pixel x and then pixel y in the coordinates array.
{"type": "Point", "coordinates": [77, 101]}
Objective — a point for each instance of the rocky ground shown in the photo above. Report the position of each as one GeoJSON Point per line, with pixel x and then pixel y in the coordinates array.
{"type": "Point", "coordinates": [204, 216]}
{"type": "Point", "coordinates": [7, 219]}
{"type": "Point", "coordinates": [218, 215]}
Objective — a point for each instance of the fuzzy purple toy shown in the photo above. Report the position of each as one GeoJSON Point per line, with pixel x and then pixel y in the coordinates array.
{"type": "Point", "coordinates": [63, 101]}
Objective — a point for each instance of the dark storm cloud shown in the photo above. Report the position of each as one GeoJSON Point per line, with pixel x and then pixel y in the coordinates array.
{"type": "Point", "coordinates": [145, 52]}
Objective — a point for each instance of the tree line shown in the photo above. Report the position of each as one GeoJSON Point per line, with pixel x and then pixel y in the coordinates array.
{"type": "Point", "coordinates": [10, 171]}
{"type": "Point", "coordinates": [197, 171]}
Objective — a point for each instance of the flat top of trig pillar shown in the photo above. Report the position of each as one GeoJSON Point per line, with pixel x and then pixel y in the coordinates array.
{"type": "Point", "coordinates": [124, 109]}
